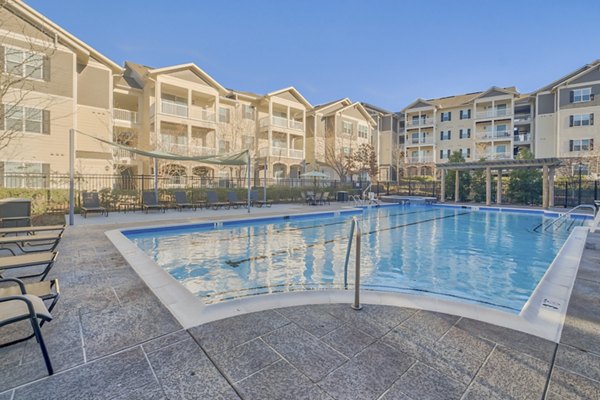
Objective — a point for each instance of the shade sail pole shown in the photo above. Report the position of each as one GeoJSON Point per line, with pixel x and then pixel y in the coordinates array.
{"type": "Point", "coordinates": [156, 178]}
{"type": "Point", "coordinates": [248, 174]}
{"type": "Point", "coordinates": [71, 176]}
{"type": "Point", "coordinates": [265, 185]}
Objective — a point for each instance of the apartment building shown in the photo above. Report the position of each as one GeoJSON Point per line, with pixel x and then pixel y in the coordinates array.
{"type": "Point", "coordinates": [492, 125]}
{"type": "Point", "coordinates": [564, 119]}
{"type": "Point", "coordinates": [388, 141]}
{"type": "Point", "coordinates": [54, 82]}
{"type": "Point", "coordinates": [334, 131]}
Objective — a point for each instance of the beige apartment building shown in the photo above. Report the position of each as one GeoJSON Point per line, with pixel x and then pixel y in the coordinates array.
{"type": "Point", "coordinates": [388, 141]}
{"type": "Point", "coordinates": [334, 131]}
{"type": "Point", "coordinates": [54, 82]}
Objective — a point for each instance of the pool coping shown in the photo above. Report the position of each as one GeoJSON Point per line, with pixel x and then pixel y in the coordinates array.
{"type": "Point", "coordinates": [543, 314]}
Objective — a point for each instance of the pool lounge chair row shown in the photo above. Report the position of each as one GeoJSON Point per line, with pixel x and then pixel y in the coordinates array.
{"type": "Point", "coordinates": [27, 296]}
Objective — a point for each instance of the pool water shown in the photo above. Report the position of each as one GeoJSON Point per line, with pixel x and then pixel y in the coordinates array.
{"type": "Point", "coordinates": [494, 258]}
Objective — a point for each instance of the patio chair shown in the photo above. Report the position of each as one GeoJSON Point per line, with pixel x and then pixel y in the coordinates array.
{"type": "Point", "coordinates": [21, 302]}
{"type": "Point", "coordinates": [31, 243]}
{"type": "Point", "coordinates": [233, 200]}
{"type": "Point", "coordinates": [181, 201]}
{"type": "Point", "coordinates": [150, 202]}
{"type": "Point", "coordinates": [325, 198]}
{"type": "Point", "coordinates": [45, 260]}
{"type": "Point", "coordinates": [259, 203]}
{"type": "Point", "coordinates": [31, 230]}
{"type": "Point", "coordinates": [213, 201]}
{"type": "Point", "coordinates": [91, 203]}
{"type": "Point", "coordinates": [318, 199]}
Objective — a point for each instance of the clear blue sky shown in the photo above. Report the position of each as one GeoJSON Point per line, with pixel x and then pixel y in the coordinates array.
{"type": "Point", "coordinates": [387, 53]}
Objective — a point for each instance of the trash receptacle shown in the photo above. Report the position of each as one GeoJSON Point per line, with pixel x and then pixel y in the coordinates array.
{"type": "Point", "coordinates": [15, 212]}
{"type": "Point", "coordinates": [342, 196]}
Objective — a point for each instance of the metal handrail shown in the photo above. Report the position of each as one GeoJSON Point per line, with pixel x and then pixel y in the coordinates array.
{"type": "Point", "coordinates": [354, 227]}
{"type": "Point", "coordinates": [563, 217]}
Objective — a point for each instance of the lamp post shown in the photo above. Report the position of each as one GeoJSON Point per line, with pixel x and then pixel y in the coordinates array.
{"type": "Point", "coordinates": [579, 168]}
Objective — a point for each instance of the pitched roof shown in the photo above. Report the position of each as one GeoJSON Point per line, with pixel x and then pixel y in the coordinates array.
{"type": "Point", "coordinates": [460, 99]}
{"type": "Point", "coordinates": [83, 50]}
{"type": "Point", "coordinates": [294, 92]}
{"type": "Point", "coordinates": [568, 77]}
{"type": "Point", "coordinates": [321, 107]}
{"type": "Point", "coordinates": [127, 81]}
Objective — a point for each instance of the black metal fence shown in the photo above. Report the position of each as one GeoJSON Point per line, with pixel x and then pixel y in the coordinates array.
{"type": "Point", "coordinates": [569, 194]}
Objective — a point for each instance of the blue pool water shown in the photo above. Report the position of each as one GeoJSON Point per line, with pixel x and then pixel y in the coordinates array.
{"type": "Point", "coordinates": [494, 258]}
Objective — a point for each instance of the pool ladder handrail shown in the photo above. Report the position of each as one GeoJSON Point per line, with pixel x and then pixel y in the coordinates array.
{"type": "Point", "coordinates": [563, 217]}
{"type": "Point", "coordinates": [354, 228]}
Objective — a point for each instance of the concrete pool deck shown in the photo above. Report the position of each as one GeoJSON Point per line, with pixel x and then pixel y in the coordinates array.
{"type": "Point", "coordinates": [112, 338]}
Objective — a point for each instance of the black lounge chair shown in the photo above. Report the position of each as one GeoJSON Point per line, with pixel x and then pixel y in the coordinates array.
{"type": "Point", "coordinates": [150, 202]}
{"type": "Point", "coordinates": [21, 302]}
{"type": "Point", "coordinates": [30, 230]}
{"type": "Point", "coordinates": [91, 203]}
{"type": "Point", "coordinates": [31, 243]}
{"type": "Point", "coordinates": [213, 201]}
{"type": "Point", "coordinates": [234, 202]}
{"type": "Point", "coordinates": [259, 203]}
{"type": "Point", "coordinates": [181, 201]}
{"type": "Point", "coordinates": [28, 261]}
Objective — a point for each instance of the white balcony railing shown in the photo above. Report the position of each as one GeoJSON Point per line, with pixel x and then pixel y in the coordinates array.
{"type": "Point", "coordinates": [172, 108]}
{"type": "Point", "coordinates": [522, 118]}
{"type": "Point", "coordinates": [296, 153]}
{"type": "Point", "coordinates": [497, 113]}
{"type": "Point", "coordinates": [282, 123]}
{"type": "Point", "coordinates": [494, 135]}
{"type": "Point", "coordinates": [497, 155]}
{"type": "Point", "coordinates": [420, 159]}
{"type": "Point", "coordinates": [125, 115]}
{"type": "Point", "coordinates": [122, 153]}
{"type": "Point", "coordinates": [263, 152]}
{"type": "Point", "coordinates": [428, 140]}
{"type": "Point", "coordinates": [201, 151]}
{"type": "Point", "coordinates": [420, 122]}
{"type": "Point", "coordinates": [523, 137]}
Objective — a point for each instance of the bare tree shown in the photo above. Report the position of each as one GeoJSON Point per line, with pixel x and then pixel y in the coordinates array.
{"type": "Point", "coordinates": [238, 133]}
{"type": "Point", "coordinates": [340, 162]}
{"type": "Point", "coordinates": [365, 160]}
{"type": "Point", "coordinates": [22, 67]}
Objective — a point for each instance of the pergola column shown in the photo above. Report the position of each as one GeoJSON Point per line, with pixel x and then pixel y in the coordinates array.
{"type": "Point", "coordinates": [443, 188]}
{"type": "Point", "coordinates": [551, 187]}
{"type": "Point", "coordinates": [499, 188]}
{"type": "Point", "coordinates": [488, 186]}
{"type": "Point", "coordinates": [545, 186]}
{"type": "Point", "coordinates": [456, 187]}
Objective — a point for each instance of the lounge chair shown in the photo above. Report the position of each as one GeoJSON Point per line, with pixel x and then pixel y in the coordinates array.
{"type": "Point", "coordinates": [259, 203]}
{"type": "Point", "coordinates": [45, 260]}
{"type": "Point", "coordinates": [22, 302]}
{"type": "Point", "coordinates": [28, 244]}
{"type": "Point", "coordinates": [213, 201]}
{"type": "Point", "coordinates": [150, 202]}
{"type": "Point", "coordinates": [30, 230]}
{"type": "Point", "coordinates": [91, 203]}
{"type": "Point", "coordinates": [181, 201]}
{"type": "Point", "coordinates": [234, 202]}
{"type": "Point", "coordinates": [325, 198]}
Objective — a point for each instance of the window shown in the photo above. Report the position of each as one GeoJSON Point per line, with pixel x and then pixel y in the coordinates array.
{"type": "Point", "coordinates": [446, 116]}
{"type": "Point", "coordinates": [414, 138]}
{"type": "Point", "coordinates": [584, 169]}
{"type": "Point", "coordinates": [501, 148]}
{"type": "Point", "coordinates": [444, 154]}
{"type": "Point", "coordinates": [224, 114]}
{"type": "Point", "coordinates": [415, 120]}
{"type": "Point", "coordinates": [464, 133]}
{"type": "Point", "coordinates": [501, 110]}
{"type": "Point", "coordinates": [223, 146]}
{"type": "Point", "coordinates": [25, 119]}
{"type": "Point", "coordinates": [347, 127]}
{"type": "Point", "coordinates": [465, 153]}
{"type": "Point", "coordinates": [581, 95]}
{"type": "Point", "coordinates": [26, 175]}
{"type": "Point", "coordinates": [465, 114]}
{"type": "Point", "coordinates": [347, 151]}
{"type": "Point", "coordinates": [248, 111]}
{"type": "Point", "coordinates": [363, 131]}
{"type": "Point", "coordinates": [247, 141]}
{"type": "Point", "coordinates": [581, 120]}
{"type": "Point", "coordinates": [581, 145]}
{"type": "Point", "coordinates": [24, 63]}
{"type": "Point", "coordinates": [445, 135]}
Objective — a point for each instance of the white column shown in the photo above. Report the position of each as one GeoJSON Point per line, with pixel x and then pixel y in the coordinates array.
{"type": "Point", "coordinates": [545, 187]}
{"type": "Point", "coordinates": [270, 129]}
{"type": "Point", "coordinates": [443, 187]}
{"type": "Point", "coordinates": [499, 187]}
{"type": "Point", "coordinates": [456, 186]}
{"type": "Point", "coordinates": [488, 186]}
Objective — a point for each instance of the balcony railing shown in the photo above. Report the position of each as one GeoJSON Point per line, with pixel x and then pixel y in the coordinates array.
{"type": "Point", "coordinates": [202, 114]}
{"type": "Point", "coordinates": [172, 108]}
{"type": "Point", "coordinates": [498, 113]}
{"type": "Point", "coordinates": [296, 153]}
{"type": "Point", "coordinates": [522, 118]}
{"type": "Point", "coordinates": [280, 152]}
{"type": "Point", "coordinates": [125, 115]}
{"type": "Point", "coordinates": [421, 159]}
{"type": "Point", "coordinates": [420, 122]}
{"type": "Point", "coordinates": [282, 123]}
{"type": "Point", "coordinates": [522, 137]}
{"type": "Point", "coordinates": [420, 141]}
{"type": "Point", "coordinates": [497, 155]}
{"type": "Point", "coordinates": [122, 153]}
{"type": "Point", "coordinates": [494, 135]}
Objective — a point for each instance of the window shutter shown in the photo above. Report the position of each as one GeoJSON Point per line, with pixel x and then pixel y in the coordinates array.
{"type": "Point", "coordinates": [1, 116]}
{"type": "Point", "coordinates": [469, 130]}
{"type": "Point", "coordinates": [449, 134]}
{"type": "Point", "coordinates": [570, 145]}
{"type": "Point", "coordinates": [460, 115]}
{"type": "Point", "coordinates": [46, 122]}
{"type": "Point", "coordinates": [2, 59]}
{"type": "Point", "coordinates": [592, 119]}
{"type": "Point", "coordinates": [468, 153]}
{"type": "Point", "coordinates": [449, 115]}
{"type": "Point", "coordinates": [46, 68]}
{"type": "Point", "coordinates": [591, 144]}
{"type": "Point", "coordinates": [442, 135]}
{"type": "Point", "coordinates": [441, 153]}
{"type": "Point", "coordinates": [441, 117]}
{"type": "Point", "coordinates": [571, 96]}
{"type": "Point", "coordinates": [570, 120]}
{"type": "Point", "coordinates": [469, 113]}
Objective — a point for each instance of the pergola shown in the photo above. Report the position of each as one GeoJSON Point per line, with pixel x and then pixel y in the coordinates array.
{"type": "Point", "coordinates": [548, 166]}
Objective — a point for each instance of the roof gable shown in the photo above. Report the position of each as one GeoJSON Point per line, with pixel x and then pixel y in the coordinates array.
{"type": "Point", "coordinates": [495, 91]}
{"type": "Point", "coordinates": [295, 93]}
{"type": "Point", "coordinates": [191, 67]}
{"type": "Point", "coordinates": [361, 109]}
{"type": "Point", "coordinates": [419, 103]}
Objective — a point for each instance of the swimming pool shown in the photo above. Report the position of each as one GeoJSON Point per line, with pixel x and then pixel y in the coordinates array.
{"type": "Point", "coordinates": [487, 257]}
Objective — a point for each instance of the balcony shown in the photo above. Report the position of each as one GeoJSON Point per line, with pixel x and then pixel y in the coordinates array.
{"type": "Point", "coordinates": [201, 151]}
{"type": "Point", "coordinates": [420, 159]}
{"type": "Point", "coordinates": [507, 155]}
{"type": "Point", "coordinates": [497, 113]}
{"type": "Point", "coordinates": [122, 115]}
{"type": "Point", "coordinates": [202, 114]}
{"type": "Point", "coordinates": [496, 135]}
{"type": "Point", "coordinates": [522, 119]}
{"type": "Point", "coordinates": [280, 152]}
{"type": "Point", "coordinates": [296, 153]}
{"type": "Point", "coordinates": [173, 108]}
{"type": "Point", "coordinates": [418, 123]}
{"type": "Point", "coordinates": [522, 138]}
{"type": "Point", "coordinates": [281, 122]}
{"type": "Point", "coordinates": [422, 141]}
{"type": "Point", "coordinates": [122, 154]}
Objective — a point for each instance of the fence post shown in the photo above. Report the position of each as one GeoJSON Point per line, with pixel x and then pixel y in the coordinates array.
{"type": "Point", "coordinates": [595, 190]}
{"type": "Point", "coordinates": [566, 194]}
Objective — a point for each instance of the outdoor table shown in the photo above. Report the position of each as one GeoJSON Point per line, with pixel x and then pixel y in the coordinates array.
{"type": "Point", "coordinates": [127, 206]}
